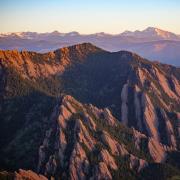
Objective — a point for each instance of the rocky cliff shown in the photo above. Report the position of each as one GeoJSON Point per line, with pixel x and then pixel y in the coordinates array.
{"type": "Point", "coordinates": [85, 141]}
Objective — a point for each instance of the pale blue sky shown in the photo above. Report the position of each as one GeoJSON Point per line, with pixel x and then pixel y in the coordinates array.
{"type": "Point", "coordinates": [88, 16]}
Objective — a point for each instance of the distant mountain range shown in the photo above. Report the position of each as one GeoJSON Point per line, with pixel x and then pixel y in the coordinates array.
{"type": "Point", "coordinates": [152, 43]}
{"type": "Point", "coordinates": [81, 112]}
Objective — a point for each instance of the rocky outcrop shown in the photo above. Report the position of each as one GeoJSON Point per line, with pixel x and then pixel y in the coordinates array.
{"type": "Point", "coordinates": [137, 105]}
{"type": "Point", "coordinates": [150, 117]}
{"type": "Point", "coordinates": [102, 172]}
{"type": "Point", "coordinates": [28, 175]}
{"type": "Point", "coordinates": [164, 84]}
{"type": "Point", "coordinates": [82, 130]}
{"type": "Point", "coordinates": [154, 94]}
{"type": "Point", "coordinates": [156, 150]}
{"type": "Point", "coordinates": [79, 164]}
{"type": "Point", "coordinates": [124, 108]}
{"type": "Point", "coordinates": [115, 147]}
{"type": "Point", "coordinates": [108, 159]}
{"type": "Point", "coordinates": [136, 163]}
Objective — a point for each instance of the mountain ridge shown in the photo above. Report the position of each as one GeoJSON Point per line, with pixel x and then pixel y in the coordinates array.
{"type": "Point", "coordinates": [164, 34]}
{"type": "Point", "coordinates": [58, 106]}
{"type": "Point", "coordinates": [152, 32]}
{"type": "Point", "coordinates": [151, 43]}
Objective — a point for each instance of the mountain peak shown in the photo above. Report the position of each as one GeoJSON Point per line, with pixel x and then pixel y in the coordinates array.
{"type": "Point", "coordinates": [150, 29]}
{"type": "Point", "coordinates": [151, 33]}
{"type": "Point", "coordinates": [157, 31]}
{"type": "Point", "coordinates": [102, 34]}
{"type": "Point", "coordinates": [86, 46]}
{"type": "Point", "coordinates": [55, 32]}
{"type": "Point", "coordinates": [79, 51]}
{"type": "Point", "coordinates": [73, 33]}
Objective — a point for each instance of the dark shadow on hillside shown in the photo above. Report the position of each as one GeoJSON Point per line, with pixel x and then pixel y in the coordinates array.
{"type": "Point", "coordinates": [99, 79]}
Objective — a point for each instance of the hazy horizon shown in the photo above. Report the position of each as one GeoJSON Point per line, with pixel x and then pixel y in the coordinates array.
{"type": "Point", "coordinates": [88, 33]}
{"type": "Point", "coordinates": [87, 17]}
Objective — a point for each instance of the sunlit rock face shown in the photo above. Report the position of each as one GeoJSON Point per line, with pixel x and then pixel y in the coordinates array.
{"type": "Point", "coordinates": [23, 174]}
{"type": "Point", "coordinates": [86, 147]}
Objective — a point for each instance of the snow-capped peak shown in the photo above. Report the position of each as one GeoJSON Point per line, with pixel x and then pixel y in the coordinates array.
{"type": "Point", "coordinates": [150, 32]}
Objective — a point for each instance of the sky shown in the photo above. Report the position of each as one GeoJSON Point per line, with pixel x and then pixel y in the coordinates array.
{"type": "Point", "coordinates": [88, 16]}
